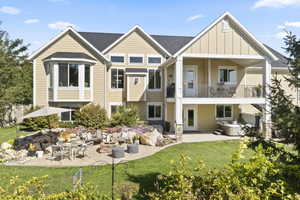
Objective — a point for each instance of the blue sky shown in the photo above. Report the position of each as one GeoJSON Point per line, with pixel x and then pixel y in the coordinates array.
{"type": "Point", "coordinates": [37, 21]}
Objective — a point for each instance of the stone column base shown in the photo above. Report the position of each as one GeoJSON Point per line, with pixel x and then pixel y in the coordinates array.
{"type": "Point", "coordinates": [178, 132]}
{"type": "Point", "coordinates": [267, 130]}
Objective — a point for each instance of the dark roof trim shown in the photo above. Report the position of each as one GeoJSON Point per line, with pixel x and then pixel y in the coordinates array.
{"type": "Point", "coordinates": [136, 70]}
{"type": "Point", "coordinates": [69, 55]}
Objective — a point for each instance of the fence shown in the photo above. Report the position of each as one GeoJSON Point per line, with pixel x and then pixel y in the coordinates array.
{"type": "Point", "coordinates": [13, 114]}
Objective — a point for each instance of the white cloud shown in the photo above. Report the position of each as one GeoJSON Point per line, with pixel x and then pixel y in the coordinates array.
{"type": "Point", "coordinates": [275, 3]}
{"type": "Point", "coordinates": [292, 24]}
{"type": "Point", "coordinates": [281, 27]}
{"type": "Point", "coordinates": [9, 10]}
{"type": "Point", "coordinates": [60, 25]}
{"type": "Point", "coordinates": [31, 21]}
{"type": "Point", "coordinates": [194, 17]}
{"type": "Point", "coordinates": [281, 35]}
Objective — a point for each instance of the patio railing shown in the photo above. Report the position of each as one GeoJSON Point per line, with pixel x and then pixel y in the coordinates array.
{"type": "Point", "coordinates": [220, 91]}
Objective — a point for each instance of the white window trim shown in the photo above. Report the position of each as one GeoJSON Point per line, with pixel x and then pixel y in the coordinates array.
{"type": "Point", "coordinates": [70, 110]}
{"type": "Point", "coordinates": [227, 67]}
{"type": "Point", "coordinates": [154, 56]}
{"type": "Point", "coordinates": [114, 104]}
{"type": "Point", "coordinates": [155, 104]}
{"type": "Point", "coordinates": [90, 66]}
{"type": "Point", "coordinates": [118, 54]}
{"type": "Point", "coordinates": [136, 55]}
{"type": "Point", "coordinates": [110, 79]}
{"type": "Point", "coordinates": [161, 80]}
{"type": "Point", "coordinates": [224, 118]}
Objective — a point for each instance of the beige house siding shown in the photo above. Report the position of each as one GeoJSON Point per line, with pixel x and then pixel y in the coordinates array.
{"type": "Point", "coordinates": [215, 41]}
{"type": "Point", "coordinates": [67, 43]}
{"type": "Point", "coordinates": [68, 94]}
{"type": "Point", "coordinates": [207, 117]}
{"type": "Point", "coordinates": [136, 90]}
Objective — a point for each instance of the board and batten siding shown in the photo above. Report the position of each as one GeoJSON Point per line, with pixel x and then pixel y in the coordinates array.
{"type": "Point", "coordinates": [68, 43]}
{"type": "Point", "coordinates": [134, 43]}
{"type": "Point", "coordinates": [215, 41]}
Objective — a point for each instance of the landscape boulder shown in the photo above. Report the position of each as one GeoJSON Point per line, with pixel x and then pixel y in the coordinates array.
{"type": "Point", "coordinates": [5, 146]}
{"type": "Point", "coordinates": [150, 138]}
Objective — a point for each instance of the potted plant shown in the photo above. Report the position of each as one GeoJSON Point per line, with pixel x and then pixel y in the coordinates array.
{"type": "Point", "coordinates": [136, 139]}
{"type": "Point", "coordinates": [31, 150]}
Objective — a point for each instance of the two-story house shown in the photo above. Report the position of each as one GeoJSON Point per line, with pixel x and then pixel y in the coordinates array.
{"type": "Point", "coordinates": [222, 73]}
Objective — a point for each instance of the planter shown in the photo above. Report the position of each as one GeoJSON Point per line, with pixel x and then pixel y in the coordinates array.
{"type": "Point", "coordinates": [31, 153]}
{"type": "Point", "coordinates": [39, 154]}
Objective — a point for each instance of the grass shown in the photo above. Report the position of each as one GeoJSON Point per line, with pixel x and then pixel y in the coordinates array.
{"type": "Point", "coordinates": [141, 172]}
{"type": "Point", "coordinates": [10, 133]}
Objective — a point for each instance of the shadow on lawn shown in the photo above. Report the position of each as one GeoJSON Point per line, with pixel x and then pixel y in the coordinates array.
{"type": "Point", "coordinates": [146, 183]}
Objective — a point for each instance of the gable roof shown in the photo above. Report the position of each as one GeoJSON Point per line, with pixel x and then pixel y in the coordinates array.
{"type": "Point", "coordinates": [102, 40]}
{"type": "Point", "coordinates": [243, 29]}
{"type": "Point", "coordinates": [70, 55]}
{"type": "Point", "coordinates": [69, 29]}
{"type": "Point", "coordinates": [139, 29]}
{"type": "Point", "coordinates": [282, 60]}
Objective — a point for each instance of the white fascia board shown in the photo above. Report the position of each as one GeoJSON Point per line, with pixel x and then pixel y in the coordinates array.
{"type": "Point", "coordinates": [223, 101]}
{"type": "Point", "coordinates": [71, 100]}
{"type": "Point", "coordinates": [220, 56]}
{"type": "Point", "coordinates": [227, 14]}
{"type": "Point", "coordinates": [59, 36]}
{"type": "Point", "coordinates": [136, 27]}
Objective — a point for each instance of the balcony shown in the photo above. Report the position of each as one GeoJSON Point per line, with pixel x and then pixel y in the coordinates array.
{"type": "Point", "coordinates": [220, 91]}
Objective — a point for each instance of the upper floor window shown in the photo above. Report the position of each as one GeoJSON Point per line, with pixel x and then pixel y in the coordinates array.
{"type": "Point", "coordinates": [68, 75]}
{"type": "Point", "coordinates": [154, 60]}
{"type": "Point", "coordinates": [117, 78]}
{"type": "Point", "coordinates": [117, 59]}
{"type": "Point", "coordinates": [87, 75]}
{"type": "Point", "coordinates": [154, 79]}
{"type": "Point", "coordinates": [224, 112]}
{"type": "Point", "coordinates": [136, 59]}
{"type": "Point", "coordinates": [227, 75]}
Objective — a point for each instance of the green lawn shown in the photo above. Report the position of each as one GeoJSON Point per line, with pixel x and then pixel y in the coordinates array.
{"type": "Point", "coordinates": [141, 172]}
{"type": "Point", "coordinates": [10, 133]}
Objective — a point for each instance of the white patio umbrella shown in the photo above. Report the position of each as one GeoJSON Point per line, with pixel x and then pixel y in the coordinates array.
{"type": "Point", "coordinates": [46, 111]}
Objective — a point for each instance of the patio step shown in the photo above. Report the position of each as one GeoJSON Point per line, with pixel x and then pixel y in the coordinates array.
{"type": "Point", "coordinates": [218, 132]}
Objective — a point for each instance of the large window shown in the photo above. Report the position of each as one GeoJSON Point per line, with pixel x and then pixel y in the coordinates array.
{"type": "Point", "coordinates": [117, 59]}
{"type": "Point", "coordinates": [224, 112]}
{"type": "Point", "coordinates": [154, 111]}
{"type": "Point", "coordinates": [227, 75]}
{"type": "Point", "coordinates": [67, 116]}
{"type": "Point", "coordinates": [154, 60]}
{"type": "Point", "coordinates": [154, 79]}
{"type": "Point", "coordinates": [117, 78]}
{"type": "Point", "coordinates": [68, 75]}
{"type": "Point", "coordinates": [87, 75]}
{"type": "Point", "coordinates": [136, 59]}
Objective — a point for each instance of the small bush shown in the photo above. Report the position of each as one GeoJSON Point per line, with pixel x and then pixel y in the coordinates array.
{"type": "Point", "coordinates": [127, 116]}
{"type": "Point", "coordinates": [91, 116]}
{"type": "Point", "coordinates": [38, 123]}
{"type": "Point", "coordinates": [35, 189]}
{"type": "Point", "coordinates": [66, 125]}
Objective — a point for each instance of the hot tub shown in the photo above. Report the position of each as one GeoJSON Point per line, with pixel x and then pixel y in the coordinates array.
{"type": "Point", "coordinates": [231, 128]}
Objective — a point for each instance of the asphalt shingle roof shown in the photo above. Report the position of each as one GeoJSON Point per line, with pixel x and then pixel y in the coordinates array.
{"type": "Point", "coordinates": [171, 43]}
{"type": "Point", "coordinates": [69, 55]}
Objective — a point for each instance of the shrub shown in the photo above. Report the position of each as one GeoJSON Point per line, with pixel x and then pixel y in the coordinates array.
{"type": "Point", "coordinates": [66, 125]}
{"type": "Point", "coordinates": [38, 123]}
{"type": "Point", "coordinates": [91, 116]}
{"type": "Point", "coordinates": [34, 189]}
{"type": "Point", "coordinates": [256, 178]}
{"type": "Point", "coordinates": [127, 116]}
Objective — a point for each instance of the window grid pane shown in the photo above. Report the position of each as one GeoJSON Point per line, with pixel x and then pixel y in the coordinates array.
{"type": "Point", "coordinates": [135, 59]}
{"type": "Point", "coordinates": [151, 79]}
{"type": "Point", "coordinates": [220, 111]}
{"type": "Point", "coordinates": [117, 59]}
{"type": "Point", "coordinates": [73, 75]}
{"type": "Point", "coordinates": [63, 74]}
{"type": "Point", "coordinates": [228, 112]}
{"type": "Point", "coordinates": [154, 60]}
{"type": "Point", "coordinates": [158, 111]}
{"type": "Point", "coordinates": [151, 111]}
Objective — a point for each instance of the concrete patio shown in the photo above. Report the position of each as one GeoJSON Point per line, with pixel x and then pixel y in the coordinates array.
{"type": "Point", "coordinates": [205, 137]}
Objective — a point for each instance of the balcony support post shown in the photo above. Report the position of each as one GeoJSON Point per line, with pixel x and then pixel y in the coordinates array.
{"type": "Point", "coordinates": [178, 98]}
{"type": "Point", "coordinates": [209, 76]}
{"type": "Point", "coordinates": [267, 121]}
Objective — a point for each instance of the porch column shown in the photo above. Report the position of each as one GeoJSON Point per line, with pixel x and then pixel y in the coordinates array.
{"type": "Point", "coordinates": [267, 121]}
{"type": "Point", "coordinates": [178, 98]}
{"type": "Point", "coordinates": [165, 72]}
